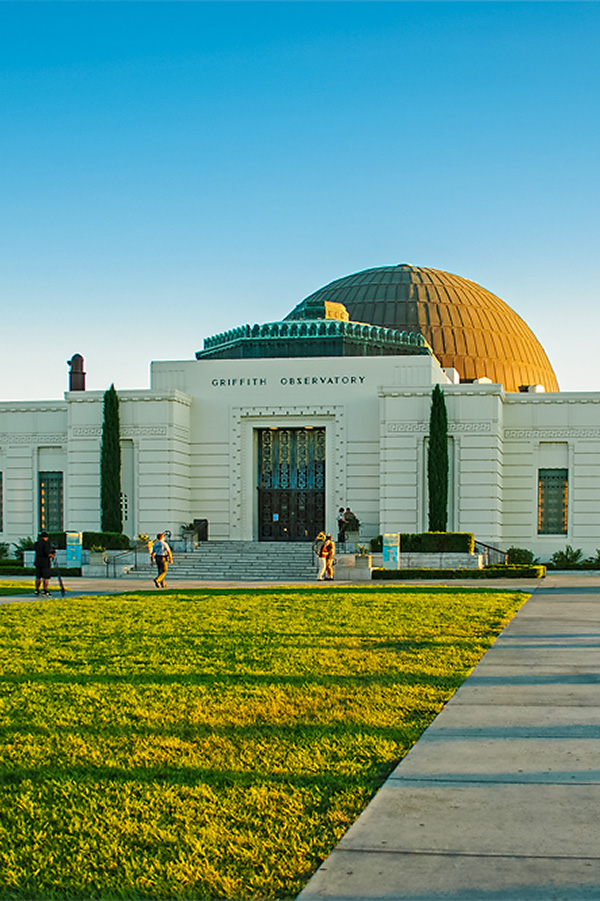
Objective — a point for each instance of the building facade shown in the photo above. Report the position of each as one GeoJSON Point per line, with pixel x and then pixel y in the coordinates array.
{"type": "Point", "coordinates": [266, 441]}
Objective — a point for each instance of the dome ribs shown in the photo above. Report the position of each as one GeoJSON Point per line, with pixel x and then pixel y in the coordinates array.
{"type": "Point", "coordinates": [466, 325]}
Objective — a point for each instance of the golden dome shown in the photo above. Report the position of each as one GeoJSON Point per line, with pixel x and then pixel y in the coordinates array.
{"type": "Point", "coordinates": [469, 328]}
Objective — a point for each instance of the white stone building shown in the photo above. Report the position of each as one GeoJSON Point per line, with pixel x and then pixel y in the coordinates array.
{"type": "Point", "coordinates": [274, 427]}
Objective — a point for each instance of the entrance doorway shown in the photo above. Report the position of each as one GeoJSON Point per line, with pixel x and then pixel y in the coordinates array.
{"type": "Point", "coordinates": [291, 483]}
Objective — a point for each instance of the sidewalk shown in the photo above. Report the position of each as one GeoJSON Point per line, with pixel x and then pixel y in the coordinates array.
{"type": "Point", "coordinates": [499, 800]}
{"type": "Point", "coordinates": [77, 586]}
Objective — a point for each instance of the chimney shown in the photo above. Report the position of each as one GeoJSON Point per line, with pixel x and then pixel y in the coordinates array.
{"type": "Point", "coordinates": [76, 373]}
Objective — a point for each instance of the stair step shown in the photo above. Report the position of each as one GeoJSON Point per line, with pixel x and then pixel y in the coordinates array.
{"type": "Point", "coordinates": [238, 560]}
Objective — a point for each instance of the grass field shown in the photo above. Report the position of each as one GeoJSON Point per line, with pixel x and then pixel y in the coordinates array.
{"type": "Point", "coordinates": [213, 743]}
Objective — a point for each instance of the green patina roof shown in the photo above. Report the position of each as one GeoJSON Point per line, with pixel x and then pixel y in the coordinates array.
{"type": "Point", "coordinates": [322, 337]}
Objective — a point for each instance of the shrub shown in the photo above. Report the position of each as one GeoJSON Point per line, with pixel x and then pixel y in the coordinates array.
{"type": "Point", "coordinates": [489, 572]}
{"type": "Point", "coordinates": [110, 465]}
{"type": "Point", "coordinates": [10, 569]}
{"type": "Point", "coordinates": [593, 562]}
{"type": "Point", "coordinates": [23, 544]}
{"type": "Point", "coordinates": [4, 550]}
{"type": "Point", "coordinates": [566, 559]}
{"type": "Point", "coordinates": [437, 462]}
{"type": "Point", "coordinates": [113, 541]}
{"type": "Point", "coordinates": [58, 539]}
{"type": "Point", "coordinates": [520, 555]}
{"type": "Point", "coordinates": [430, 542]}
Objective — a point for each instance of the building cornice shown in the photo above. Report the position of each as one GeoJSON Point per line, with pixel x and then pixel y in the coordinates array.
{"type": "Point", "coordinates": [94, 397]}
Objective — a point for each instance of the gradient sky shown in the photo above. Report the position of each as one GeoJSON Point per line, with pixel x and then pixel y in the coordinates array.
{"type": "Point", "coordinates": [171, 170]}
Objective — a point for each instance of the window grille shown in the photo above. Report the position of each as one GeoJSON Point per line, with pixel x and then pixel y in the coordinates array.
{"type": "Point", "coordinates": [553, 494]}
{"type": "Point", "coordinates": [51, 501]}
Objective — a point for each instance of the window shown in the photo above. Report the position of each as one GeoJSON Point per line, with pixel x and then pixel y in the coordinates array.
{"type": "Point", "coordinates": [1, 506]}
{"type": "Point", "coordinates": [51, 501]}
{"type": "Point", "coordinates": [553, 492]}
{"type": "Point", "coordinates": [124, 507]}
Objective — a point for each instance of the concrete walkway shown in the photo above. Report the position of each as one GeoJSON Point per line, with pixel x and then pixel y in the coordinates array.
{"type": "Point", "coordinates": [78, 586]}
{"type": "Point", "coordinates": [499, 800]}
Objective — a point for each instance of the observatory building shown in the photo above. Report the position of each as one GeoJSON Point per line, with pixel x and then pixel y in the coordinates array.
{"type": "Point", "coordinates": [270, 428]}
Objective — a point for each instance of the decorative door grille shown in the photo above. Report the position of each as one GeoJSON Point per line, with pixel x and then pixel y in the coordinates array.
{"type": "Point", "coordinates": [291, 483]}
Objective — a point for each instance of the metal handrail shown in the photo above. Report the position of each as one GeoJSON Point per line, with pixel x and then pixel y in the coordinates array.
{"type": "Point", "coordinates": [491, 555]}
{"type": "Point", "coordinates": [112, 560]}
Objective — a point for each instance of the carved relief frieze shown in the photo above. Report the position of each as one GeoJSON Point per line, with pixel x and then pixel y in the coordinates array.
{"type": "Point", "coordinates": [87, 432]}
{"type": "Point", "coordinates": [453, 428]}
{"type": "Point", "coordinates": [141, 431]}
{"type": "Point", "coordinates": [558, 433]}
{"type": "Point", "coordinates": [131, 431]}
{"type": "Point", "coordinates": [33, 438]}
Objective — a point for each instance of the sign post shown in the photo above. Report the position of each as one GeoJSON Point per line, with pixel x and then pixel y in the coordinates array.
{"type": "Point", "coordinates": [391, 550]}
{"type": "Point", "coordinates": [74, 546]}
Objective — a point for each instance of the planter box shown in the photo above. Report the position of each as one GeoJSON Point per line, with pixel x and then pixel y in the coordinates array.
{"type": "Point", "coordinates": [349, 569]}
{"type": "Point", "coordinates": [363, 561]}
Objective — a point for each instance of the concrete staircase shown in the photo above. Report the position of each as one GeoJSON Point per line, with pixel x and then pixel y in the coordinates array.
{"type": "Point", "coordinates": [238, 561]}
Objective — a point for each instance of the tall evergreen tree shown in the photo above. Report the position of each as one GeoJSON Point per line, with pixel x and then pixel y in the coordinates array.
{"type": "Point", "coordinates": [110, 465]}
{"type": "Point", "coordinates": [437, 462]}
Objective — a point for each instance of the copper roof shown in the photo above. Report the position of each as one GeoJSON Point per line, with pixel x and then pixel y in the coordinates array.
{"type": "Point", "coordinates": [468, 327]}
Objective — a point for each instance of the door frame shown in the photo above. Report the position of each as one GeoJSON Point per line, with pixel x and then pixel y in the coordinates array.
{"type": "Point", "coordinates": [243, 495]}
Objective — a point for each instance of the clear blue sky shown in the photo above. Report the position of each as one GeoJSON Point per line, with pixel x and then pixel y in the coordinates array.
{"type": "Point", "coordinates": [170, 170]}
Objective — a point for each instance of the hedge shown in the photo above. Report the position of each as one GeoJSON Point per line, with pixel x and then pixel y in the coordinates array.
{"type": "Point", "coordinates": [110, 541]}
{"type": "Point", "coordinates": [489, 572]}
{"type": "Point", "coordinates": [15, 570]}
{"type": "Point", "coordinates": [431, 543]}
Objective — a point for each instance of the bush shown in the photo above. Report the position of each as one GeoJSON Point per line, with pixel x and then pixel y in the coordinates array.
{"type": "Point", "coordinates": [10, 569]}
{"type": "Point", "coordinates": [58, 539]}
{"type": "Point", "coordinates": [489, 572]}
{"type": "Point", "coordinates": [110, 541]}
{"type": "Point", "coordinates": [4, 550]}
{"type": "Point", "coordinates": [431, 543]}
{"type": "Point", "coordinates": [22, 545]}
{"type": "Point", "coordinates": [593, 562]}
{"type": "Point", "coordinates": [566, 559]}
{"type": "Point", "coordinates": [521, 556]}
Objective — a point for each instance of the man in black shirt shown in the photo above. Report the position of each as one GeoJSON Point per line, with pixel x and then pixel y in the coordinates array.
{"type": "Point", "coordinates": [44, 555]}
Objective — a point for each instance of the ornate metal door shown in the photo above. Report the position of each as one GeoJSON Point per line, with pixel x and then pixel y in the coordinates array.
{"type": "Point", "coordinates": [291, 484]}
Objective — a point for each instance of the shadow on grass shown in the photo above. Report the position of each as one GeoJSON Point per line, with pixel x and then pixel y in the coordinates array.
{"type": "Point", "coordinates": [219, 680]}
{"type": "Point", "coordinates": [328, 781]}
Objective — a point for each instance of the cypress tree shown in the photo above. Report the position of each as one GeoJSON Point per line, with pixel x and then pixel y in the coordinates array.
{"type": "Point", "coordinates": [437, 462]}
{"type": "Point", "coordinates": [110, 465]}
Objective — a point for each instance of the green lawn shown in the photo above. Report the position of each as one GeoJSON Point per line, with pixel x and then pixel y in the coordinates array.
{"type": "Point", "coordinates": [213, 743]}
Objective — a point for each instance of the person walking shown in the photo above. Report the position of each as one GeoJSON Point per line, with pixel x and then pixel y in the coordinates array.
{"type": "Point", "coordinates": [327, 554]}
{"type": "Point", "coordinates": [162, 556]}
{"type": "Point", "coordinates": [44, 555]}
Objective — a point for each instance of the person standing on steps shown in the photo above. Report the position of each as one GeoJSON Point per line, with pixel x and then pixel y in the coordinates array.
{"type": "Point", "coordinates": [341, 524]}
{"type": "Point", "coordinates": [44, 555]}
{"type": "Point", "coordinates": [161, 554]}
{"type": "Point", "coordinates": [351, 521]}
